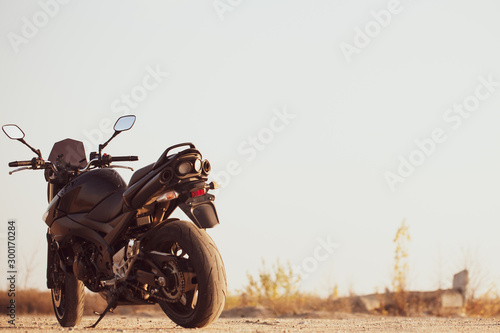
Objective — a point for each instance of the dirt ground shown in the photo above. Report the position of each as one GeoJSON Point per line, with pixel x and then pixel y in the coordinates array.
{"type": "Point", "coordinates": [340, 323]}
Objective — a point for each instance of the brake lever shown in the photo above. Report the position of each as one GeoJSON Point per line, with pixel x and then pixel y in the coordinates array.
{"type": "Point", "coordinates": [20, 169]}
{"type": "Point", "coordinates": [91, 162]}
{"type": "Point", "coordinates": [121, 166]}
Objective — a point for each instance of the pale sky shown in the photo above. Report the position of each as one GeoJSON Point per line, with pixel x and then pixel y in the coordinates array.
{"type": "Point", "coordinates": [337, 120]}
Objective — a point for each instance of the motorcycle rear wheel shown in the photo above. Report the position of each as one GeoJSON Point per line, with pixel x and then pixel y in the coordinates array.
{"type": "Point", "coordinates": [204, 304]}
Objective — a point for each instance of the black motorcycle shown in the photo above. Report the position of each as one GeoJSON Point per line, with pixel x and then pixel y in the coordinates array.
{"type": "Point", "coordinates": [119, 240]}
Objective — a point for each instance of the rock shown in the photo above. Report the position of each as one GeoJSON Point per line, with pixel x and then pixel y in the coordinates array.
{"type": "Point", "coordinates": [369, 302]}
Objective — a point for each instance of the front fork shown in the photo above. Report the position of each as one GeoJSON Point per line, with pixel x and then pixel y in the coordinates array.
{"type": "Point", "coordinates": [50, 262]}
{"type": "Point", "coordinates": [52, 270]}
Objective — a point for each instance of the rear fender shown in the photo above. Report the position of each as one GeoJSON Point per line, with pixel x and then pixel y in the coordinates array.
{"type": "Point", "coordinates": [201, 210]}
{"type": "Point", "coordinates": [152, 232]}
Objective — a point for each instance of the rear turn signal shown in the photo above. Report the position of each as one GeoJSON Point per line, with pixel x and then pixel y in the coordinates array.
{"type": "Point", "coordinates": [167, 196]}
{"type": "Point", "coordinates": [214, 185]}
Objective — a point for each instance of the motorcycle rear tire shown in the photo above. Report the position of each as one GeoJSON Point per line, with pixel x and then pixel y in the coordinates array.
{"type": "Point", "coordinates": [205, 258]}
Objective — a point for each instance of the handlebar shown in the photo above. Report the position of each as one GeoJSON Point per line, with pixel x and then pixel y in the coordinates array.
{"type": "Point", "coordinates": [35, 163]}
{"type": "Point", "coordinates": [19, 163]}
{"type": "Point", "coordinates": [123, 158]}
{"type": "Point", "coordinates": [106, 159]}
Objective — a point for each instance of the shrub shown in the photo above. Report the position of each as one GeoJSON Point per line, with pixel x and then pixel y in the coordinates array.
{"type": "Point", "coordinates": [275, 289]}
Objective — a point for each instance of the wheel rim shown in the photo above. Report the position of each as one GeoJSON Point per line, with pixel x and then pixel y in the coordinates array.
{"type": "Point", "coordinates": [58, 297]}
{"type": "Point", "coordinates": [58, 300]}
{"type": "Point", "coordinates": [186, 304]}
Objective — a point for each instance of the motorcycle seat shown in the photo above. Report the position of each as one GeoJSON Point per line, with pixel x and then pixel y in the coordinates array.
{"type": "Point", "coordinates": [139, 174]}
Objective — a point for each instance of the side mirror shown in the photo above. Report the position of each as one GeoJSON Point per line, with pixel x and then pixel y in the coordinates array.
{"type": "Point", "coordinates": [13, 132]}
{"type": "Point", "coordinates": [124, 123]}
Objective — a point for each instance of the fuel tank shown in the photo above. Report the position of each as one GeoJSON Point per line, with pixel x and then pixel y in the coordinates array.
{"type": "Point", "coordinates": [86, 191]}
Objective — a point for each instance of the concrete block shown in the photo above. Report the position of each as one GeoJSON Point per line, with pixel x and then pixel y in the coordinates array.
{"type": "Point", "coordinates": [461, 281]}
{"type": "Point", "coordinates": [452, 299]}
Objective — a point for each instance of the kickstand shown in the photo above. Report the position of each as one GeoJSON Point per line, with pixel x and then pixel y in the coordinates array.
{"type": "Point", "coordinates": [111, 305]}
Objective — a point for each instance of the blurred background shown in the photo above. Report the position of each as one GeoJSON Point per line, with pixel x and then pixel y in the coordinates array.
{"type": "Point", "coordinates": [328, 123]}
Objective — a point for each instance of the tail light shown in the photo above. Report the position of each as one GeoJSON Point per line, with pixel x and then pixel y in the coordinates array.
{"type": "Point", "coordinates": [197, 193]}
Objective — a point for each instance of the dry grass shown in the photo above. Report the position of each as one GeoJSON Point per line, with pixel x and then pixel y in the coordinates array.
{"type": "Point", "coordinates": [485, 306]}
{"type": "Point", "coordinates": [38, 302]}
{"type": "Point", "coordinates": [34, 301]}
{"type": "Point", "coordinates": [30, 301]}
{"type": "Point", "coordinates": [275, 291]}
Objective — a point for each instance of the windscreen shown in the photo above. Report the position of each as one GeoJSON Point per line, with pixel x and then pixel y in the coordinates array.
{"type": "Point", "coordinates": [71, 151]}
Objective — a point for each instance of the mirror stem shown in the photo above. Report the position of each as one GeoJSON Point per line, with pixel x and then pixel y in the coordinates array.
{"type": "Point", "coordinates": [101, 147]}
{"type": "Point", "coordinates": [36, 151]}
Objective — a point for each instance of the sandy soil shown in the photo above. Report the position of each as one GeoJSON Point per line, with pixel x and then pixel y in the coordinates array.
{"type": "Point", "coordinates": [342, 323]}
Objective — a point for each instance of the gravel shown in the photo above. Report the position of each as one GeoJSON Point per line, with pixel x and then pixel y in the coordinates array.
{"type": "Point", "coordinates": [341, 323]}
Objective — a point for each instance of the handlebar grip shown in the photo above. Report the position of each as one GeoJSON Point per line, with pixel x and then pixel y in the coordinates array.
{"type": "Point", "coordinates": [124, 158]}
{"type": "Point", "coordinates": [19, 163]}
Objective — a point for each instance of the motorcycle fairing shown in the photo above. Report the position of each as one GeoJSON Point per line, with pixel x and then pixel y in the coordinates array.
{"type": "Point", "coordinates": [103, 235]}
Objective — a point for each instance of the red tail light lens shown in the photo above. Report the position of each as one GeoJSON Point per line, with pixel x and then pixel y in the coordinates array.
{"type": "Point", "coordinates": [197, 193]}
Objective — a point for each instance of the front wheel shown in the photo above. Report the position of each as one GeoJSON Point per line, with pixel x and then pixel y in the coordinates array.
{"type": "Point", "coordinates": [68, 297]}
{"type": "Point", "coordinates": [196, 287]}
